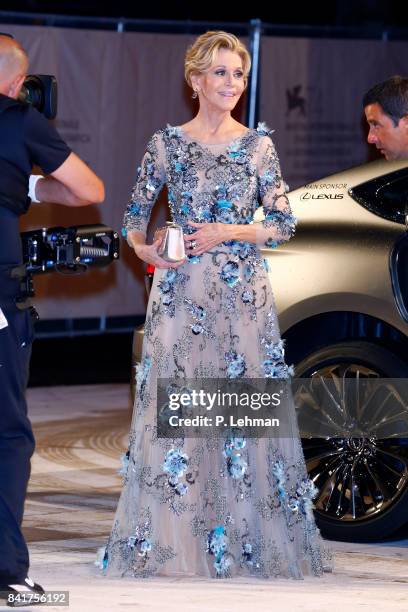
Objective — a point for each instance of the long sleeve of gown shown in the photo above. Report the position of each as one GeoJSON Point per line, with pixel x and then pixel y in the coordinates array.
{"type": "Point", "coordinates": [278, 224]}
{"type": "Point", "coordinates": [149, 182]}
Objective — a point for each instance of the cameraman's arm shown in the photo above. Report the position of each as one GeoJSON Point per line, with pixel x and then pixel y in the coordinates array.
{"type": "Point", "coordinates": [72, 184]}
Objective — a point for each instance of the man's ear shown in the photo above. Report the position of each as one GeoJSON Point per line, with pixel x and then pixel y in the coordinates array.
{"type": "Point", "coordinates": [16, 85]}
{"type": "Point", "coordinates": [404, 123]}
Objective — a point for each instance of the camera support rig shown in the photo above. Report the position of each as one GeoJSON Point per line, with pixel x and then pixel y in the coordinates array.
{"type": "Point", "coordinates": [68, 250]}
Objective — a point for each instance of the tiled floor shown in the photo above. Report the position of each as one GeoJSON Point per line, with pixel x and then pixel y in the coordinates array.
{"type": "Point", "coordinates": [81, 432]}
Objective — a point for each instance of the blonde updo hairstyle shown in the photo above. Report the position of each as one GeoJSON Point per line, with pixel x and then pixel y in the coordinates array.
{"type": "Point", "coordinates": [201, 54]}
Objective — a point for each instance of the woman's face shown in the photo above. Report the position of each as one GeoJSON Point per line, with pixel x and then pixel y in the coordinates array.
{"type": "Point", "coordinates": [221, 86]}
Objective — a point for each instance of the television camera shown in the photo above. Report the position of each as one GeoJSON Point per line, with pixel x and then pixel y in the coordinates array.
{"type": "Point", "coordinates": [39, 90]}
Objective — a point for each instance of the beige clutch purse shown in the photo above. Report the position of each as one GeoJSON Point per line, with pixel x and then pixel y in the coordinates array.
{"type": "Point", "coordinates": [172, 246]}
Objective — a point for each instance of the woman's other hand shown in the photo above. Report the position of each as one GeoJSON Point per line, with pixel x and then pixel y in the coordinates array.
{"type": "Point", "coordinates": [207, 236]}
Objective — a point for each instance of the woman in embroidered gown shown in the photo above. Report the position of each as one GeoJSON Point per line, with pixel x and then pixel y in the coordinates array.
{"type": "Point", "coordinates": [207, 506]}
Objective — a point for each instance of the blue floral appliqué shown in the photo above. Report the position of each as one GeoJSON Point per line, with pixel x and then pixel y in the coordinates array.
{"type": "Point", "coordinates": [249, 271]}
{"type": "Point", "coordinates": [274, 366]}
{"type": "Point", "coordinates": [236, 365]}
{"type": "Point", "coordinates": [236, 464]}
{"type": "Point", "coordinates": [168, 287]}
{"type": "Point", "coordinates": [142, 373]}
{"type": "Point", "coordinates": [242, 249]}
{"type": "Point", "coordinates": [224, 209]}
{"type": "Point", "coordinates": [173, 131]}
{"type": "Point", "coordinates": [167, 282]}
{"type": "Point", "coordinates": [224, 213]}
{"type": "Point", "coordinates": [230, 273]}
{"type": "Point", "coordinates": [302, 500]}
{"type": "Point", "coordinates": [140, 544]}
{"type": "Point", "coordinates": [247, 554]}
{"type": "Point", "coordinates": [278, 470]}
{"type": "Point", "coordinates": [237, 153]}
{"type": "Point", "coordinates": [248, 296]}
{"type": "Point", "coordinates": [283, 221]}
{"type": "Point", "coordinates": [193, 259]}
{"type": "Point", "coordinates": [267, 179]}
{"type": "Point", "coordinates": [217, 543]}
{"type": "Point", "coordinates": [198, 314]}
{"type": "Point", "coordinates": [263, 129]}
{"type": "Point", "coordinates": [175, 465]}
{"type": "Point", "coordinates": [306, 492]}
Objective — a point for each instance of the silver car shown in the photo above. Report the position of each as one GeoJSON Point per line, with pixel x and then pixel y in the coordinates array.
{"type": "Point", "coordinates": [341, 290]}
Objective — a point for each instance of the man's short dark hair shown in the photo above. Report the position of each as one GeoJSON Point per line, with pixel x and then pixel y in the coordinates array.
{"type": "Point", "coordinates": [391, 95]}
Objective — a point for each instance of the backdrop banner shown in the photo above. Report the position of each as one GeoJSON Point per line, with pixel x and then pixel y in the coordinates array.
{"type": "Point", "coordinates": [311, 94]}
{"type": "Point", "coordinates": [117, 89]}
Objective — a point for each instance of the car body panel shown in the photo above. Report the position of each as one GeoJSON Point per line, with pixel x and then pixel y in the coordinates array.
{"type": "Point", "coordinates": [339, 258]}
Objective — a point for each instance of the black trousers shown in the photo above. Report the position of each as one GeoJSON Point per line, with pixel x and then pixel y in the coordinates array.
{"type": "Point", "coordinates": [16, 436]}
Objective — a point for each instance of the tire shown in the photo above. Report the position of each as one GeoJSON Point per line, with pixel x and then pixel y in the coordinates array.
{"type": "Point", "coordinates": [346, 470]}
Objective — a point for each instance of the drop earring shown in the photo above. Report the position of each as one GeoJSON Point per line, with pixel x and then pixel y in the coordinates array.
{"type": "Point", "coordinates": [194, 94]}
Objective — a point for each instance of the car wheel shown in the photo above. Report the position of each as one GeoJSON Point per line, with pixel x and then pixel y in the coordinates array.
{"type": "Point", "coordinates": [362, 482]}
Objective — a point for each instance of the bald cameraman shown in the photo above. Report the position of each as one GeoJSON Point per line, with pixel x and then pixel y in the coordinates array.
{"type": "Point", "coordinates": [26, 139]}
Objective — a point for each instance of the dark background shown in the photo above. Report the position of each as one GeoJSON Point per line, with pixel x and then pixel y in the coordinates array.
{"type": "Point", "coordinates": [329, 13]}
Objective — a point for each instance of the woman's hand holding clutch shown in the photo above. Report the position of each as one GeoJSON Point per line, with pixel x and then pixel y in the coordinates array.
{"type": "Point", "coordinates": [149, 254]}
{"type": "Point", "coordinates": [159, 234]}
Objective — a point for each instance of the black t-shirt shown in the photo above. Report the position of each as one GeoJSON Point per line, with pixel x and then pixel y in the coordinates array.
{"type": "Point", "coordinates": [26, 139]}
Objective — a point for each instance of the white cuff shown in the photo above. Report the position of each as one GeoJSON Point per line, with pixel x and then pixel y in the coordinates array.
{"type": "Point", "coordinates": [34, 178]}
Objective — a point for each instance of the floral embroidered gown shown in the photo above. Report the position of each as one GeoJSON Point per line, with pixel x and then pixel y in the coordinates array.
{"type": "Point", "coordinates": [205, 506]}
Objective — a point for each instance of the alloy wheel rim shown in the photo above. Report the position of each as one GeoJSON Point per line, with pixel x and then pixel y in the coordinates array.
{"type": "Point", "coordinates": [357, 477]}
